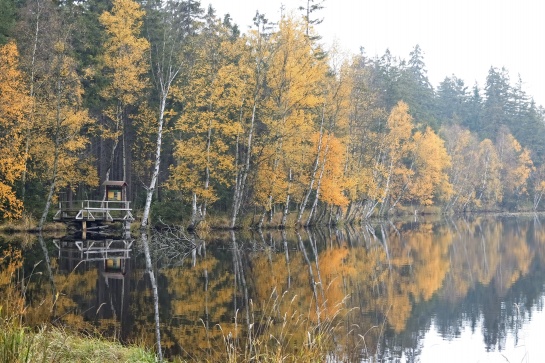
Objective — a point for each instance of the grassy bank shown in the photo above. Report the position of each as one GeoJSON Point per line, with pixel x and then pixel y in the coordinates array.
{"type": "Point", "coordinates": [28, 223]}
{"type": "Point", "coordinates": [41, 341]}
{"type": "Point", "coordinates": [50, 344]}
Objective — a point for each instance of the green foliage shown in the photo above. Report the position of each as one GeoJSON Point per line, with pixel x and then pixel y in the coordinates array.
{"type": "Point", "coordinates": [7, 19]}
{"type": "Point", "coordinates": [169, 210]}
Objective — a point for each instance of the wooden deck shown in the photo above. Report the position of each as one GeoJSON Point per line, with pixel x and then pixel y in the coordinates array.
{"type": "Point", "coordinates": [94, 211]}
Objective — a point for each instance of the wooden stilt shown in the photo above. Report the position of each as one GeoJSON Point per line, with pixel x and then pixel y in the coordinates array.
{"type": "Point", "coordinates": [127, 229]}
{"type": "Point", "coordinates": [84, 229]}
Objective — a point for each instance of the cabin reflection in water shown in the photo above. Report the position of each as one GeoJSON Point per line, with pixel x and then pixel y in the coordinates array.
{"type": "Point", "coordinates": [111, 259]}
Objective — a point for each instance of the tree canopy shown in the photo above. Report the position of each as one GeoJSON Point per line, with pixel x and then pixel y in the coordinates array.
{"type": "Point", "coordinates": [259, 127]}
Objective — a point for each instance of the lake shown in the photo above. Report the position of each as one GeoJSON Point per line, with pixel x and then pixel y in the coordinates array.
{"type": "Point", "coordinates": [450, 290]}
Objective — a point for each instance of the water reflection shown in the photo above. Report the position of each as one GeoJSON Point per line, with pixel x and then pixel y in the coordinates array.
{"type": "Point", "coordinates": [381, 289]}
{"type": "Point", "coordinates": [47, 261]}
{"type": "Point", "coordinates": [153, 282]}
{"type": "Point", "coordinates": [102, 269]}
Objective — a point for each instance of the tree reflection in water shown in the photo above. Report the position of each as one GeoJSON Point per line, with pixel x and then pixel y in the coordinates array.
{"type": "Point", "coordinates": [394, 282]}
{"type": "Point", "coordinates": [153, 282]}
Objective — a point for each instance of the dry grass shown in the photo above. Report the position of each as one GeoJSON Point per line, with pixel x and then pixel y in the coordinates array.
{"type": "Point", "coordinates": [28, 223]}
{"type": "Point", "coordinates": [277, 331]}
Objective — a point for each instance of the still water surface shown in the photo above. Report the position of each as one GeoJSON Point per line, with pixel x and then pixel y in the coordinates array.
{"type": "Point", "coordinates": [452, 290]}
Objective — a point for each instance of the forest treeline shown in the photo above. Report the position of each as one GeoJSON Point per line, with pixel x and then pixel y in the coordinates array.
{"type": "Point", "coordinates": [264, 125]}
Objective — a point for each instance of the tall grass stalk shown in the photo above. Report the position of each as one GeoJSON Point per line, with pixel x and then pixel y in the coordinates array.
{"type": "Point", "coordinates": [279, 332]}
{"type": "Point", "coordinates": [15, 346]}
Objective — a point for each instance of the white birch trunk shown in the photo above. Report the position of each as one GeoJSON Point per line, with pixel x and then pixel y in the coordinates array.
{"type": "Point", "coordinates": [197, 215]}
{"type": "Point", "coordinates": [124, 156]}
{"type": "Point", "coordinates": [33, 105]}
{"type": "Point", "coordinates": [50, 194]}
{"type": "Point", "coordinates": [53, 184]}
{"type": "Point", "coordinates": [318, 186]}
{"type": "Point", "coordinates": [287, 204]}
{"type": "Point", "coordinates": [242, 176]}
{"type": "Point", "coordinates": [157, 164]}
{"type": "Point", "coordinates": [303, 204]}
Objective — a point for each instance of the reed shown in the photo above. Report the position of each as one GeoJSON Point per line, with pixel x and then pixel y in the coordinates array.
{"type": "Point", "coordinates": [278, 331]}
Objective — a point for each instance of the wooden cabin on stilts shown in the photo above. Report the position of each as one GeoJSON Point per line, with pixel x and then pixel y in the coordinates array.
{"type": "Point", "coordinates": [95, 214]}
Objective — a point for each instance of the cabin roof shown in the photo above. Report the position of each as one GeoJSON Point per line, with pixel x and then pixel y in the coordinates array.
{"type": "Point", "coordinates": [118, 183]}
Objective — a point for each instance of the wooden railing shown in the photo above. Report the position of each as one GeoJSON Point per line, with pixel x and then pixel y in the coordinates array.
{"type": "Point", "coordinates": [108, 210]}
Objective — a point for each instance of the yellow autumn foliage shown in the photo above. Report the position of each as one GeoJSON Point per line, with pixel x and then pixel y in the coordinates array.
{"type": "Point", "coordinates": [431, 162]}
{"type": "Point", "coordinates": [14, 103]}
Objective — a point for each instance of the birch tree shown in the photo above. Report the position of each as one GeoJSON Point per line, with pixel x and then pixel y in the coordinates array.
{"type": "Point", "coordinates": [431, 160]}
{"type": "Point", "coordinates": [167, 39]}
{"type": "Point", "coordinates": [37, 28]}
{"type": "Point", "coordinates": [125, 60]}
{"type": "Point", "coordinates": [63, 120]}
{"type": "Point", "coordinates": [538, 181]}
{"type": "Point", "coordinates": [255, 53]}
{"type": "Point", "coordinates": [516, 163]}
{"type": "Point", "coordinates": [332, 141]}
{"type": "Point", "coordinates": [462, 147]}
{"type": "Point", "coordinates": [295, 80]}
{"type": "Point", "coordinates": [56, 130]}
{"type": "Point", "coordinates": [362, 168]}
{"type": "Point", "coordinates": [207, 129]}
{"type": "Point", "coordinates": [489, 189]}
{"type": "Point", "coordinates": [397, 149]}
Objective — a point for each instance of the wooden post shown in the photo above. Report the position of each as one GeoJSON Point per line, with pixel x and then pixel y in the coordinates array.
{"type": "Point", "coordinates": [84, 229]}
{"type": "Point", "coordinates": [127, 229]}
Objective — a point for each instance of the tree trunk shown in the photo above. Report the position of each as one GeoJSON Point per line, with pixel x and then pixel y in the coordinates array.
{"type": "Point", "coordinates": [110, 164]}
{"type": "Point", "coordinates": [33, 105]}
{"type": "Point", "coordinates": [318, 186]}
{"type": "Point", "coordinates": [157, 164]}
{"type": "Point", "coordinates": [196, 214]}
{"type": "Point", "coordinates": [303, 204]}
{"type": "Point", "coordinates": [53, 184]}
{"type": "Point", "coordinates": [124, 155]}
{"type": "Point", "coordinates": [262, 219]}
{"type": "Point", "coordinates": [285, 212]}
{"type": "Point", "coordinates": [49, 196]}
{"type": "Point", "coordinates": [241, 177]}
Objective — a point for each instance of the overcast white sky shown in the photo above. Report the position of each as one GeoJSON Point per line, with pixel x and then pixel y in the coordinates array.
{"type": "Point", "coordinates": [460, 37]}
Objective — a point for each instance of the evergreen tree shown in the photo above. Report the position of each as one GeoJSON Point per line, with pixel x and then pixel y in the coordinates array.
{"type": "Point", "coordinates": [497, 103]}
{"type": "Point", "coordinates": [227, 23]}
{"type": "Point", "coordinates": [7, 19]}
{"type": "Point", "coordinates": [385, 75]}
{"type": "Point", "coordinates": [416, 90]}
{"type": "Point", "coordinates": [452, 101]}
{"type": "Point", "coordinates": [310, 7]}
{"type": "Point", "coordinates": [474, 110]}
{"type": "Point", "coordinates": [525, 122]}
{"type": "Point", "coordinates": [88, 50]}
{"type": "Point", "coordinates": [188, 16]}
